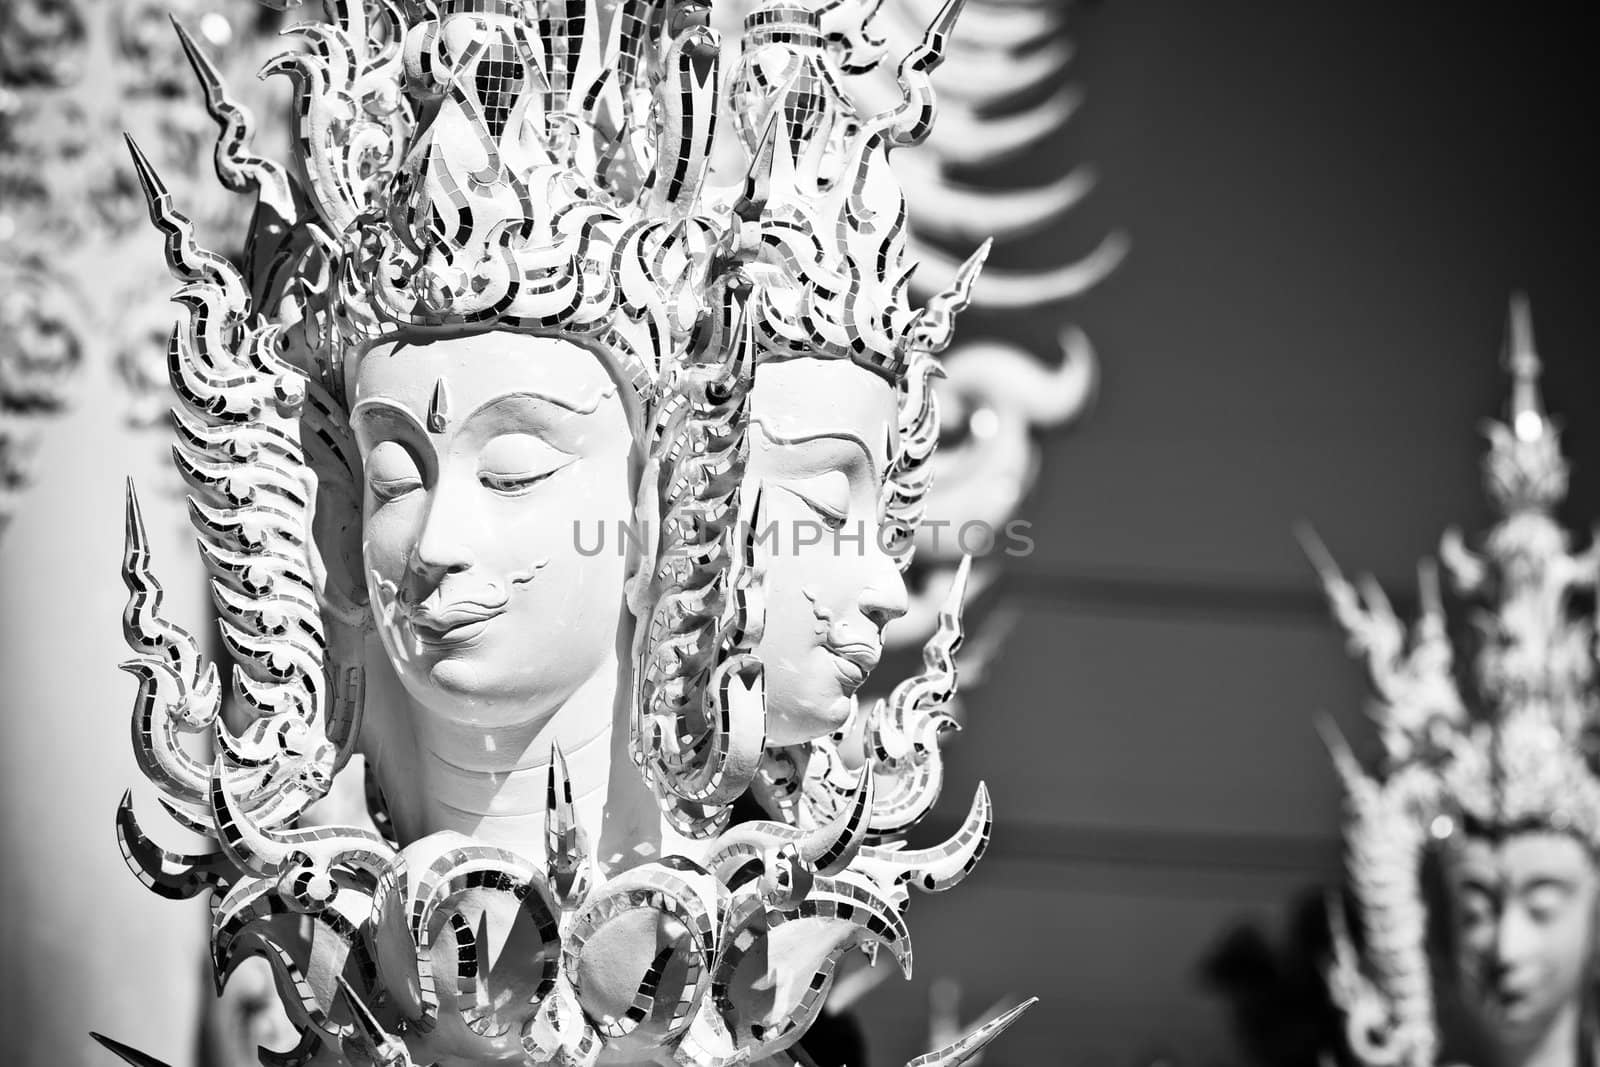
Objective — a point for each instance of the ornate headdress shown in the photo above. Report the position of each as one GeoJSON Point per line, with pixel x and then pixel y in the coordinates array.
{"type": "Point", "coordinates": [824, 276]}
{"type": "Point", "coordinates": [1500, 743]}
{"type": "Point", "coordinates": [494, 165]}
{"type": "Point", "coordinates": [503, 164]}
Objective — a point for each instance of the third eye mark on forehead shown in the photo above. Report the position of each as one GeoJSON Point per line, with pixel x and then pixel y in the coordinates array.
{"type": "Point", "coordinates": [439, 407]}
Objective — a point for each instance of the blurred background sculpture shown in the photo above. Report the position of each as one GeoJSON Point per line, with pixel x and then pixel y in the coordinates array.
{"type": "Point", "coordinates": [80, 281]}
{"type": "Point", "coordinates": [1004, 104]}
{"type": "Point", "coordinates": [84, 313]}
{"type": "Point", "coordinates": [1472, 856]}
{"type": "Point", "coordinates": [527, 274]}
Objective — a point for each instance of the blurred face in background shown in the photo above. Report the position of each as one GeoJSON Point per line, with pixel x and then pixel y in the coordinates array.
{"type": "Point", "coordinates": [1522, 914]}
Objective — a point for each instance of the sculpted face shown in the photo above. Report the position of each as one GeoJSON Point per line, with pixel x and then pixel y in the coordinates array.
{"type": "Point", "coordinates": [822, 434]}
{"type": "Point", "coordinates": [1523, 918]}
{"type": "Point", "coordinates": [480, 454]}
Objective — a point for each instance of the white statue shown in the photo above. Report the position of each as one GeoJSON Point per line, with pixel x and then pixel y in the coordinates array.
{"type": "Point", "coordinates": [820, 466]}
{"type": "Point", "coordinates": [481, 455]}
{"type": "Point", "coordinates": [1491, 769]}
{"type": "Point", "coordinates": [539, 276]}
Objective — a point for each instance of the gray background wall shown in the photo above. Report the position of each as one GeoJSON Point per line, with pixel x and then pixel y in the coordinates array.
{"type": "Point", "coordinates": [1330, 203]}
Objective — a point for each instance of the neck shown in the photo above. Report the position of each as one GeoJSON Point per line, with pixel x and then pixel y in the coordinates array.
{"type": "Point", "coordinates": [491, 783]}
{"type": "Point", "coordinates": [439, 774]}
{"type": "Point", "coordinates": [1554, 1046]}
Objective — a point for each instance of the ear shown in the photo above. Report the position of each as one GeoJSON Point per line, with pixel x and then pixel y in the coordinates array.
{"type": "Point", "coordinates": [644, 546]}
{"type": "Point", "coordinates": [333, 531]}
{"type": "Point", "coordinates": [749, 524]}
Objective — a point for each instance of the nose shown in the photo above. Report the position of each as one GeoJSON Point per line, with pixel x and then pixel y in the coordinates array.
{"type": "Point", "coordinates": [443, 544]}
{"type": "Point", "coordinates": [883, 597]}
{"type": "Point", "coordinates": [1513, 942]}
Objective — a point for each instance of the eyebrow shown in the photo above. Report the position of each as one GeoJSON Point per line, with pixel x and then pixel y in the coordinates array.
{"type": "Point", "coordinates": [581, 407]}
{"type": "Point", "coordinates": [576, 407]}
{"type": "Point", "coordinates": [382, 405]}
{"type": "Point", "coordinates": [1533, 885]}
{"type": "Point", "coordinates": [386, 406]}
{"type": "Point", "coordinates": [824, 435]}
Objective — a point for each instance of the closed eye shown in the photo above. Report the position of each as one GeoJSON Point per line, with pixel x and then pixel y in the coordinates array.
{"type": "Point", "coordinates": [511, 484]}
{"type": "Point", "coordinates": [393, 488]}
{"type": "Point", "coordinates": [392, 471]}
{"type": "Point", "coordinates": [515, 463]}
{"type": "Point", "coordinates": [827, 494]}
{"type": "Point", "coordinates": [830, 517]}
{"type": "Point", "coordinates": [1546, 900]}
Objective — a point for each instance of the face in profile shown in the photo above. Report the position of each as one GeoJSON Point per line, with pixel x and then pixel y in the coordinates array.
{"type": "Point", "coordinates": [822, 435]}
{"type": "Point", "coordinates": [1522, 912]}
{"type": "Point", "coordinates": [482, 457]}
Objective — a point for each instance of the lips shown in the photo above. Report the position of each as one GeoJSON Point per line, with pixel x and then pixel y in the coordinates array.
{"type": "Point", "coordinates": [456, 625]}
{"type": "Point", "coordinates": [1509, 998]}
{"type": "Point", "coordinates": [1507, 1003]}
{"type": "Point", "coordinates": [855, 661]}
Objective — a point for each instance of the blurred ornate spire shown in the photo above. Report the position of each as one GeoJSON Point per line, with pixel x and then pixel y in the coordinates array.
{"type": "Point", "coordinates": [1487, 728]}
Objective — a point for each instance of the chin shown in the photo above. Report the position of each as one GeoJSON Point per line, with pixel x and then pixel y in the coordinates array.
{"type": "Point", "coordinates": [456, 676]}
{"type": "Point", "coordinates": [802, 718]}
{"type": "Point", "coordinates": [1514, 1022]}
{"type": "Point", "coordinates": [457, 688]}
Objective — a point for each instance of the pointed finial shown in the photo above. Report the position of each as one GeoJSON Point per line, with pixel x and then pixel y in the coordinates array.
{"type": "Point", "coordinates": [386, 1049]}
{"type": "Point", "coordinates": [942, 26]}
{"type": "Point", "coordinates": [967, 273]}
{"type": "Point", "coordinates": [566, 849]}
{"type": "Point", "coordinates": [127, 1053]}
{"type": "Point", "coordinates": [758, 176]}
{"type": "Point", "coordinates": [1317, 554]}
{"type": "Point", "coordinates": [1339, 929]}
{"type": "Point", "coordinates": [238, 167]}
{"type": "Point", "coordinates": [1344, 758]}
{"type": "Point", "coordinates": [935, 326]}
{"type": "Point", "coordinates": [966, 1048]}
{"type": "Point", "coordinates": [1429, 595]}
{"type": "Point", "coordinates": [137, 545]}
{"type": "Point", "coordinates": [955, 599]}
{"type": "Point", "coordinates": [186, 259]}
{"type": "Point", "coordinates": [558, 794]}
{"type": "Point", "coordinates": [1522, 360]}
{"type": "Point", "coordinates": [157, 199]}
{"type": "Point", "coordinates": [205, 71]}
{"type": "Point", "coordinates": [439, 407]}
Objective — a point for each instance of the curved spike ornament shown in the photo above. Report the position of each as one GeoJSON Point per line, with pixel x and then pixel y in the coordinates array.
{"type": "Point", "coordinates": [967, 1047]}
{"type": "Point", "coordinates": [903, 733]}
{"type": "Point", "coordinates": [1497, 750]}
